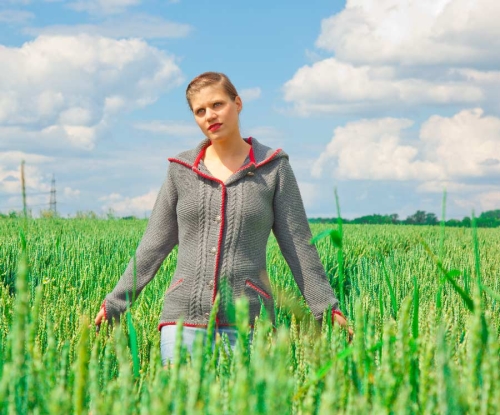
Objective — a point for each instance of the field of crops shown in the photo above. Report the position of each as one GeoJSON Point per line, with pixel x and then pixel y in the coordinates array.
{"type": "Point", "coordinates": [422, 301]}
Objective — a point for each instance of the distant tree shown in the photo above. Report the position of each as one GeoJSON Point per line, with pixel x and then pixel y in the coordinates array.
{"type": "Point", "coordinates": [489, 219]}
{"type": "Point", "coordinates": [453, 223]}
{"type": "Point", "coordinates": [418, 218]}
{"type": "Point", "coordinates": [431, 219]}
{"type": "Point", "coordinates": [376, 219]}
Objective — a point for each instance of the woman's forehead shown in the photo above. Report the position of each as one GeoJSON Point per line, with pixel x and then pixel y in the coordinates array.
{"type": "Point", "coordinates": [208, 94]}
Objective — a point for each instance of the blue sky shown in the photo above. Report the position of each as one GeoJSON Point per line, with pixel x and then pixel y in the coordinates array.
{"type": "Point", "coordinates": [389, 101]}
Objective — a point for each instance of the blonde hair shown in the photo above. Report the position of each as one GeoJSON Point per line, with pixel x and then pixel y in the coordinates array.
{"type": "Point", "coordinates": [208, 79]}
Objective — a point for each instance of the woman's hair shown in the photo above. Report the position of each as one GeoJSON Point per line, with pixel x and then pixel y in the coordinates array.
{"type": "Point", "coordinates": [208, 79]}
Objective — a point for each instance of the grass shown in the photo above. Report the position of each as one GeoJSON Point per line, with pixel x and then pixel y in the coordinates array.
{"type": "Point", "coordinates": [413, 352]}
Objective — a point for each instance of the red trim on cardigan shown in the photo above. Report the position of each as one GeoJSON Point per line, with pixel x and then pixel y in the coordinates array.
{"type": "Point", "coordinates": [338, 312]}
{"type": "Point", "coordinates": [175, 284]}
{"type": "Point", "coordinates": [221, 231]}
{"type": "Point", "coordinates": [251, 155]}
{"type": "Point", "coordinates": [200, 155]}
{"type": "Point", "coordinates": [249, 283]}
{"type": "Point", "coordinates": [269, 158]}
{"type": "Point", "coordinates": [172, 159]}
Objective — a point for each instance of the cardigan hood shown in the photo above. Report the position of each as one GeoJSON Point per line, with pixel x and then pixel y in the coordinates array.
{"type": "Point", "coordinates": [258, 156]}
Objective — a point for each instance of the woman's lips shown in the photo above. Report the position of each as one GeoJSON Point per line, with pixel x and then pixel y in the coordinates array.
{"type": "Point", "coordinates": [214, 127]}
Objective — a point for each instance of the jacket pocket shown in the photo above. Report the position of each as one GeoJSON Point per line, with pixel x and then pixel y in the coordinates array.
{"type": "Point", "coordinates": [257, 289]}
{"type": "Point", "coordinates": [174, 286]}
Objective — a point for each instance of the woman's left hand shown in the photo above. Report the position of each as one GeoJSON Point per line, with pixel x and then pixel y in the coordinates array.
{"type": "Point", "coordinates": [343, 322]}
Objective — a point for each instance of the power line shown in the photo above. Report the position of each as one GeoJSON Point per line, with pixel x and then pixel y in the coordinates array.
{"type": "Point", "coordinates": [29, 194]}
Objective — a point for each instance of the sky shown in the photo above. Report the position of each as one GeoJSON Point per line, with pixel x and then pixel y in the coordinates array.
{"type": "Point", "coordinates": [389, 102]}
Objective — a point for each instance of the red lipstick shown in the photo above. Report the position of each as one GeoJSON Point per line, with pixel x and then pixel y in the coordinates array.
{"type": "Point", "coordinates": [214, 127]}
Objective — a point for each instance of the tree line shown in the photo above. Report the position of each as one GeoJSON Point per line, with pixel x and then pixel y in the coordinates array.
{"type": "Point", "coordinates": [488, 219]}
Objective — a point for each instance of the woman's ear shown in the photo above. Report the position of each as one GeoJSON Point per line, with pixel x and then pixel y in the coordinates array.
{"type": "Point", "coordinates": [239, 103]}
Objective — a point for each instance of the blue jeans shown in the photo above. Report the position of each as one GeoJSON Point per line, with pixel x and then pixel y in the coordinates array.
{"type": "Point", "coordinates": [168, 334]}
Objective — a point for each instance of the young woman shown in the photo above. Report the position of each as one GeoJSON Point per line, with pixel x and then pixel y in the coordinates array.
{"type": "Point", "coordinates": [219, 203]}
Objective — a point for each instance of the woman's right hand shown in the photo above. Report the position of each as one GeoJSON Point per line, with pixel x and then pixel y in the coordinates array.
{"type": "Point", "coordinates": [99, 317]}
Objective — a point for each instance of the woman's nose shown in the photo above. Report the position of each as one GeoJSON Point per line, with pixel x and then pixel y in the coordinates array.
{"type": "Point", "coordinates": [210, 114]}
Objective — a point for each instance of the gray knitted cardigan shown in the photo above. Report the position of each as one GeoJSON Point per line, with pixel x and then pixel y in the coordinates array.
{"type": "Point", "coordinates": [222, 230]}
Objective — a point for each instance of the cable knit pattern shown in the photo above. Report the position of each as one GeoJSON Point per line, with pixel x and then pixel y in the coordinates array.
{"type": "Point", "coordinates": [222, 230]}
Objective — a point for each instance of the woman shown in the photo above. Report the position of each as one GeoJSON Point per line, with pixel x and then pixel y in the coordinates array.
{"type": "Point", "coordinates": [219, 203]}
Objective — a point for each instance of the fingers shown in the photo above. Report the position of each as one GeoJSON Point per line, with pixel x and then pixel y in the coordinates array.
{"type": "Point", "coordinates": [343, 322]}
{"type": "Point", "coordinates": [99, 317]}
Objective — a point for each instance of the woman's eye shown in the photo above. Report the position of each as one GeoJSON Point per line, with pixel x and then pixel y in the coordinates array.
{"type": "Point", "coordinates": [217, 104]}
{"type": "Point", "coordinates": [199, 112]}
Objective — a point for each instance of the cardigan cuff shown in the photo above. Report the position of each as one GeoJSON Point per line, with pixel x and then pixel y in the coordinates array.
{"type": "Point", "coordinates": [338, 312]}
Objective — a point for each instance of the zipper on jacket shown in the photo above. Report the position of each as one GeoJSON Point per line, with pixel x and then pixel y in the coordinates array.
{"type": "Point", "coordinates": [250, 284]}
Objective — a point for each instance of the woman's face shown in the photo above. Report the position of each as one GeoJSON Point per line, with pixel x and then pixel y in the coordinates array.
{"type": "Point", "coordinates": [216, 114]}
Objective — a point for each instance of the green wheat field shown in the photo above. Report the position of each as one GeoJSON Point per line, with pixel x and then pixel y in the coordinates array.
{"type": "Point", "coordinates": [423, 302]}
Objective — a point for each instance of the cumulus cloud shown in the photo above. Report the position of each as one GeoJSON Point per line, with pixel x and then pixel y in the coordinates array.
{"type": "Point", "coordinates": [331, 86]}
{"type": "Point", "coordinates": [140, 25]}
{"type": "Point", "coordinates": [250, 94]}
{"type": "Point", "coordinates": [372, 149]}
{"type": "Point", "coordinates": [70, 86]}
{"type": "Point", "coordinates": [448, 151]}
{"type": "Point", "coordinates": [399, 55]}
{"type": "Point", "coordinates": [426, 32]}
{"type": "Point", "coordinates": [124, 206]}
{"type": "Point", "coordinates": [464, 145]}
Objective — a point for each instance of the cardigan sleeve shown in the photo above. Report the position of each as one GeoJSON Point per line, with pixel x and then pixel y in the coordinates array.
{"type": "Point", "coordinates": [293, 234]}
{"type": "Point", "coordinates": [159, 239]}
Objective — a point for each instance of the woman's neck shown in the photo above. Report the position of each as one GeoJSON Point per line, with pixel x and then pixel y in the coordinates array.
{"type": "Point", "coordinates": [227, 149]}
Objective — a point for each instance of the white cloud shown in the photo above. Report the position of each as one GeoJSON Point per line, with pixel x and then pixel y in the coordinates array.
{"type": "Point", "coordinates": [69, 86]}
{"type": "Point", "coordinates": [10, 176]}
{"type": "Point", "coordinates": [71, 193]}
{"type": "Point", "coordinates": [140, 25]}
{"type": "Point", "coordinates": [103, 6]}
{"type": "Point", "coordinates": [250, 94]}
{"type": "Point", "coordinates": [372, 149]}
{"type": "Point", "coordinates": [465, 145]}
{"type": "Point", "coordinates": [450, 149]}
{"type": "Point", "coordinates": [425, 32]}
{"type": "Point", "coordinates": [174, 128]}
{"type": "Point", "coordinates": [399, 55]}
{"type": "Point", "coordinates": [331, 86]}
{"type": "Point", "coordinates": [15, 16]}
{"type": "Point", "coordinates": [130, 205]}
{"type": "Point", "coordinates": [480, 202]}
